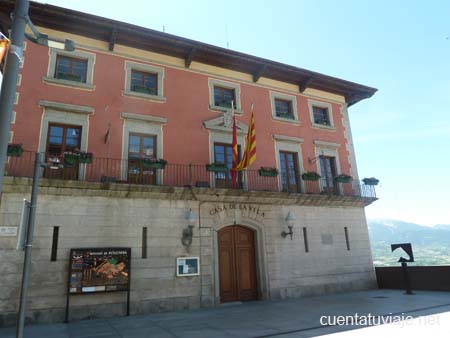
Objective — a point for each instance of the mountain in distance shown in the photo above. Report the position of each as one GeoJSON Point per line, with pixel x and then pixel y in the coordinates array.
{"type": "Point", "coordinates": [431, 245]}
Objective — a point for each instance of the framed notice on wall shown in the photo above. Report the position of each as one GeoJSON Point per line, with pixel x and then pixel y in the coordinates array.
{"type": "Point", "coordinates": [99, 270]}
{"type": "Point", "coordinates": [188, 266]}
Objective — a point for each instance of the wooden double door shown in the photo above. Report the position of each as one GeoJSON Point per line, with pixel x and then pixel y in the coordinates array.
{"type": "Point", "coordinates": [237, 264]}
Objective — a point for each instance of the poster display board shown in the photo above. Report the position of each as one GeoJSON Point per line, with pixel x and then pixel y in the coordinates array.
{"type": "Point", "coordinates": [188, 266]}
{"type": "Point", "coordinates": [99, 270]}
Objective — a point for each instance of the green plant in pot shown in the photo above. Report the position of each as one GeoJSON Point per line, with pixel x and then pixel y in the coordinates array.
{"type": "Point", "coordinates": [343, 178]}
{"type": "Point", "coordinates": [86, 157]}
{"type": "Point", "coordinates": [153, 163]}
{"type": "Point", "coordinates": [15, 150]}
{"type": "Point", "coordinates": [71, 158]}
{"type": "Point", "coordinates": [370, 181]}
{"type": "Point", "coordinates": [310, 176]}
{"type": "Point", "coordinates": [268, 172]}
{"type": "Point", "coordinates": [216, 167]}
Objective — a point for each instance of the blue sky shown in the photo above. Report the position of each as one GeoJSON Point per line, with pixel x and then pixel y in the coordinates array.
{"type": "Point", "coordinates": [402, 134]}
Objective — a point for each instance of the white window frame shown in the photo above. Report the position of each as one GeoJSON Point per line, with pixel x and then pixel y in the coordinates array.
{"type": "Point", "coordinates": [293, 145]}
{"type": "Point", "coordinates": [56, 112]}
{"type": "Point", "coordinates": [229, 85]}
{"type": "Point", "coordinates": [323, 148]}
{"type": "Point", "coordinates": [142, 124]}
{"type": "Point", "coordinates": [285, 97]}
{"type": "Point", "coordinates": [142, 67]}
{"type": "Point", "coordinates": [321, 104]}
{"type": "Point", "coordinates": [51, 79]}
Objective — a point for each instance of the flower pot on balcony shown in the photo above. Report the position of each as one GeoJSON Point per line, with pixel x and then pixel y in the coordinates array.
{"type": "Point", "coordinates": [343, 178]}
{"type": "Point", "coordinates": [15, 150]}
{"type": "Point", "coordinates": [71, 159]}
{"type": "Point", "coordinates": [217, 167]}
{"type": "Point", "coordinates": [310, 176]}
{"type": "Point", "coordinates": [370, 181]}
{"type": "Point", "coordinates": [268, 172]}
{"type": "Point", "coordinates": [86, 158]}
{"type": "Point", "coordinates": [154, 164]}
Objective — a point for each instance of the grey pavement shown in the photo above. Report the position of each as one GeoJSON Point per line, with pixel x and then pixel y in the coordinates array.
{"type": "Point", "coordinates": [282, 319]}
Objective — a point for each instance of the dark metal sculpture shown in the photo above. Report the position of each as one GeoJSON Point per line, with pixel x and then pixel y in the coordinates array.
{"type": "Point", "coordinates": [406, 247]}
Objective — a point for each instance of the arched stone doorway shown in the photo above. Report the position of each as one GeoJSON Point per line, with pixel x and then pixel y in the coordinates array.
{"type": "Point", "coordinates": [237, 264]}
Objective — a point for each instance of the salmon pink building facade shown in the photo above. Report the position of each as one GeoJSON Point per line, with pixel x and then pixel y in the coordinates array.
{"type": "Point", "coordinates": [136, 128]}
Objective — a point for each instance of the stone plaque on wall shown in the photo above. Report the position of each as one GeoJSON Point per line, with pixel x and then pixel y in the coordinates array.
{"type": "Point", "coordinates": [327, 239]}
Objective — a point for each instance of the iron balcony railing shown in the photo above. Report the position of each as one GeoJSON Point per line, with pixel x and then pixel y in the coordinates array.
{"type": "Point", "coordinates": [106, 170]}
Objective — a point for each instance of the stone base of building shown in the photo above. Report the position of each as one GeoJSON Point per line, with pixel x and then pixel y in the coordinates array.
{"type": "Point", "coordinates": [95, 216]}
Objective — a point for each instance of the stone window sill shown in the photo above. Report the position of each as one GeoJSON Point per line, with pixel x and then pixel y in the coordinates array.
{"type": "Point", "coordinates": [154, 98]}
{"type": "Point", "coordinates": [225, 109]}
{"type": "Point", "coordinates": [67, 83]}
{"type": "Point", "coordinates": [323, 126]}
{"type": "Point", "coordinates": [281, 119]}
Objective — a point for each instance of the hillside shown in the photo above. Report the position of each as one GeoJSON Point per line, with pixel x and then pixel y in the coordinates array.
{"type": "Point", "coordinates": [431, 245]}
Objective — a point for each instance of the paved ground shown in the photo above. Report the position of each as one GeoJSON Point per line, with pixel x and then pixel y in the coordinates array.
{"type": "Point", "coordinates": [282, 319]}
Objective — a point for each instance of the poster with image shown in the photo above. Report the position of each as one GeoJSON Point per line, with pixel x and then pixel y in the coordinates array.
{"type": "Point", "coordinates": [99, 270]}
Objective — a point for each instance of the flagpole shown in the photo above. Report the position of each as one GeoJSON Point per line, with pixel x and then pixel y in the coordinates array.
{"type": "Point", "coordinates": [233, 145]}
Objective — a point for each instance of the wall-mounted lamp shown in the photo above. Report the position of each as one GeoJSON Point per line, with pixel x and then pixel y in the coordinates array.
{"type": "Point", "coordinates": [290, 219]}
{"type": "Point", "coordinates": [188, 232]}
{"type": "Point", "coordinates": [315, 159]}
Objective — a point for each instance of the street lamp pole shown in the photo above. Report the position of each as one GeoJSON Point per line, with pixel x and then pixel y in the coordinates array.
{"type": "Point", "coordinates": [9, 83]}
{"type": "Point", "coordinates": [28, 247]}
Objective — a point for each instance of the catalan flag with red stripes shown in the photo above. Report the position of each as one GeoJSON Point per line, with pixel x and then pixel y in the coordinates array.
{"type": "Point", "coordinates": [250, 147]}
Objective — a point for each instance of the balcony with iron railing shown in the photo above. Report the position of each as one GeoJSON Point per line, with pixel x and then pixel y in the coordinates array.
{"type": "Point", "coordinates": [119, 171]}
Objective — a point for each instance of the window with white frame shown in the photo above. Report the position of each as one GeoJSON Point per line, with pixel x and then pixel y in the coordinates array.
{"type": "Point", "coordinates": [289, 162]}
{"type": "Point", "coordinates": [142, 140]}
{"type": "Point", "coordinates": [73, 69]}
{"type": "Point", "coordinates": [222, 93]}
{"type": "Point", "coordinates": [144, 81]}
{"type": "Point", "coordinates": [321, 114]}
{"type": "Point", "coordinates": [284, 107]}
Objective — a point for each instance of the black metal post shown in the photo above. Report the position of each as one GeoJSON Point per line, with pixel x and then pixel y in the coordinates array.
{"type": "Point", "coordinates": [9, 83]}
{"type": "Point", "coordinates": [406, 278]}
{"type": "Point", "coordinates": [129, 282]}
{"type": "Point", "coordinates": [28, 249]}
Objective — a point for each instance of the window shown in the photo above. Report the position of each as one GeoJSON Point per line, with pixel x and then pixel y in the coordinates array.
{"type": "Point", "coordinates": [61, 139]}
{"type": "Point", "coordinates": [289, 171]}
{"type": "Point", "coordinates": [141, 147]}
{"type": "Point", "coordinates": [221, 93]}
{"type": "Point", "coordinates": [70, 69]}
{"type": "Point", "coordinates": [143, 82]}
{"type": "Point", "coordinates": [142, 141]}
{"type": "Point", "coordinates": [223, 153]}
{"type": "Point", "coordinates": [321, 115]}
{"type": "Point", "coordinates": [223, 97]}
{"type": "Point", "coordinates": [328, 173]}
{"type": "Point", "coordinates": [283, 108]}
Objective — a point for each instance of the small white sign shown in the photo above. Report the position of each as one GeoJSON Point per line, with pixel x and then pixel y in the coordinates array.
{"type": "Point", "coordinates": [188, 266]}
{"type": "Point", "coordinates": [8, 231]}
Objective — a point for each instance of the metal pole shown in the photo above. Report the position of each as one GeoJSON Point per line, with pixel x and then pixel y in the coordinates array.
{"type": "Point", "coordinates": [406, 279]}
{"type": "Point", "coordinates": [10, 74]}
{"type": "Point", "coordinates": [28, 248]}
